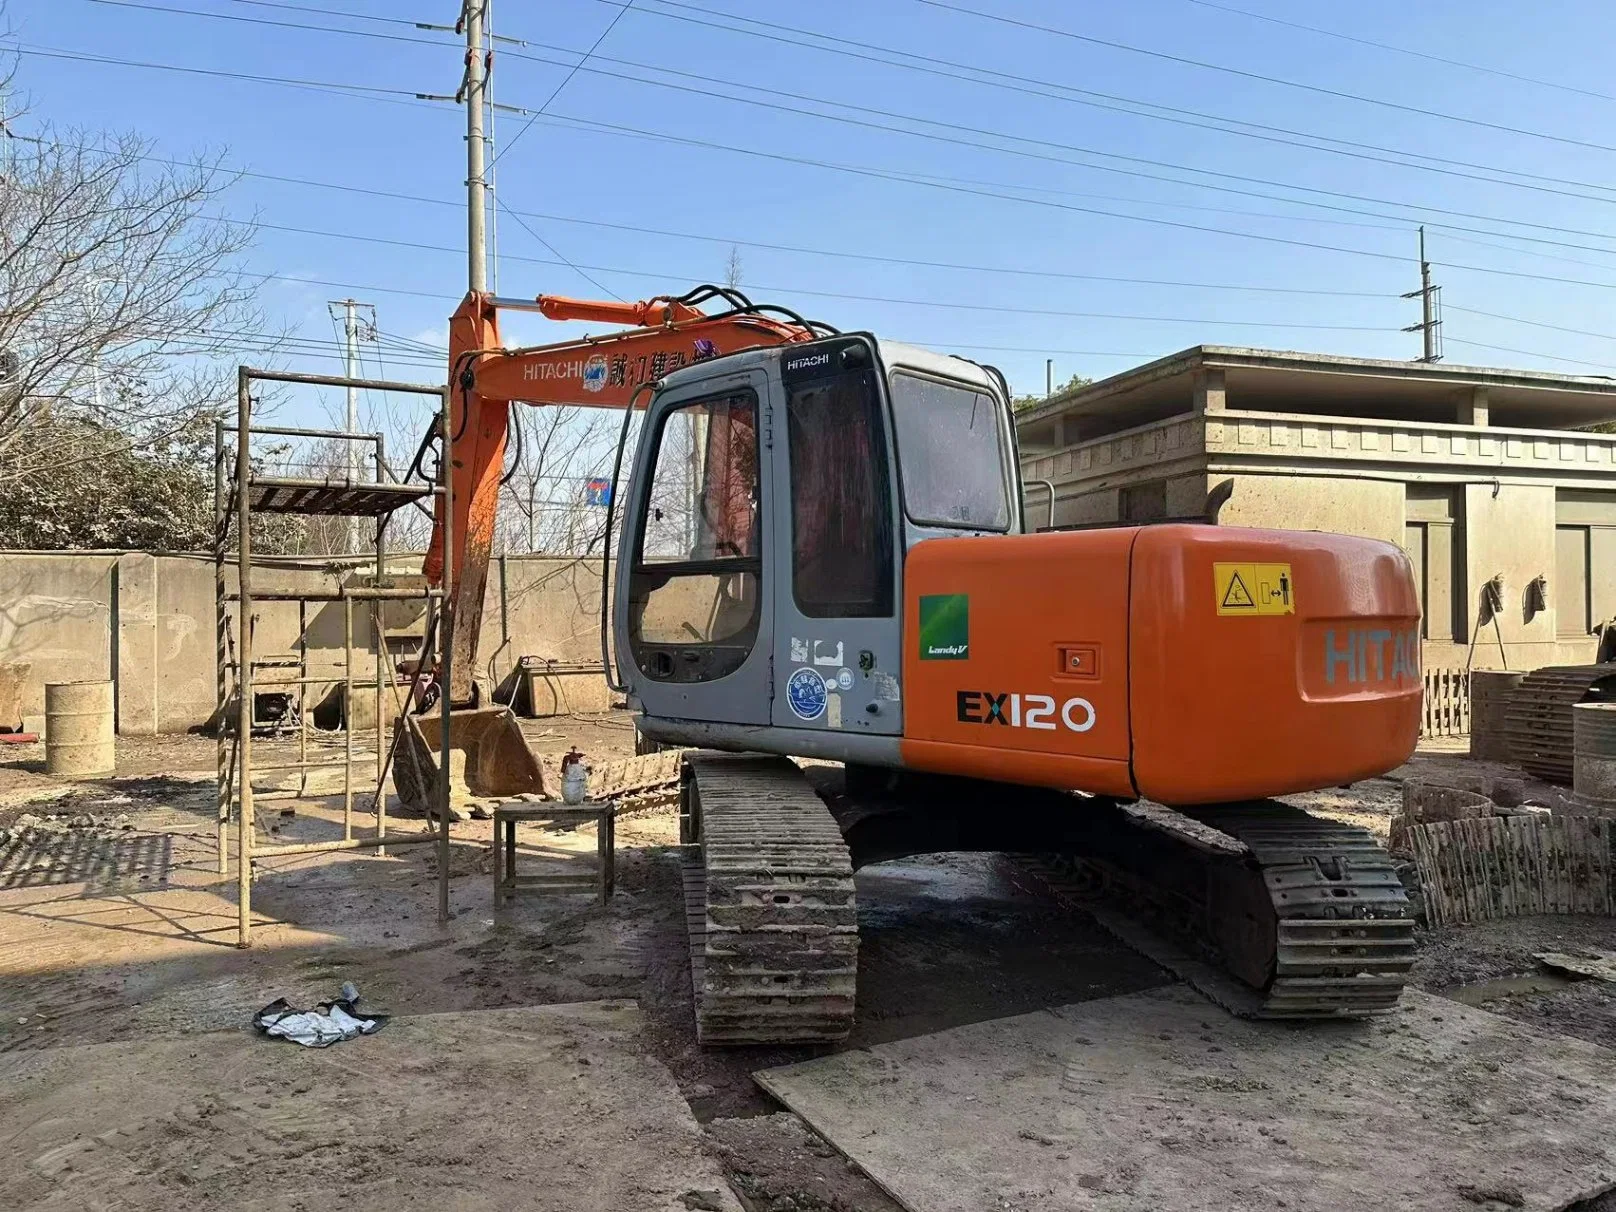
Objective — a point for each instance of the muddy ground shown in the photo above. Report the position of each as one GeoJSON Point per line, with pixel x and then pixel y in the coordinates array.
{"type": "Point", "coordinates": [114, 925]}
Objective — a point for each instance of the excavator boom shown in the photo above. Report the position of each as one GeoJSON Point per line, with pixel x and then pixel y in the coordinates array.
{"type": "Point", "coordinates": [608, 371]}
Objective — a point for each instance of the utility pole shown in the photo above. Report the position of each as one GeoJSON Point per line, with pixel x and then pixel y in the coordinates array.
{"type": "Point", "coordinates": [354, 330]}
{"type": "Point", "coordinates": [1430, 321]}
{"type": "Point", "coordinates": [476, 150]}
{"type": "Point", "coordinates": [1049, 377]}
{"type": "Point", "coordinates": [491, 186]}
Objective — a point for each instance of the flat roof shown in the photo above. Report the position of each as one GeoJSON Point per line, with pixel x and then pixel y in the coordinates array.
{"type": "Point", "coordinates": [1328, 384]}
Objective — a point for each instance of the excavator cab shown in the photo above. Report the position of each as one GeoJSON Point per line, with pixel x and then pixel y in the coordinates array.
{"type": "Point", "coordinates": [772, 497]}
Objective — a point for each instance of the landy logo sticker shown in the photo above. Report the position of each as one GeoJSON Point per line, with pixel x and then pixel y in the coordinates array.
{"type": "Point", "coordinates": [806, 694]}
{"type": "Point", "coordinates": [945, 627]}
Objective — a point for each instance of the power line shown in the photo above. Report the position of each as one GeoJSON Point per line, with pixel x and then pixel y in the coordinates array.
{"type": "Point", "coordinates": [332, 12]}
{"type": "Point", "coordinates": [574, 68]}
{"type": "Point", "coordinates": [990, 133]}
{"type": "Point", "coordinates": [1493, 315]}
{"type": "Point", "coordinates": [921, 178]}
{"type": "Point", "coordinates": [1318, 89]}
{"type": "Point", "coordinates": [362, 91]}
{"type": "Point", "coordinates": [874, 173]}
{"type": "Point", "coordinates": [298, 25]}
{"type": "Point", "coordinates": [1532, 353]}
{"type": "Point", "coordinates": [665, 138]}
{"type": "Point", "coordinates": [566, 80]}
{"type": "Point", "coordinates": [1404, 50]}
{"type": "Point", "coordinates": [818, 252]}
{"type": "Point", "coordinates": [1112, 102]}
{"type": "Point", "coordinates": [859, 298]}
{"type": "Point", "coordinates": [1186, 117]}
{"type": "Point", "coordinates": [522, 223]}
{"type": "Point", "coordinates": [884, 175]}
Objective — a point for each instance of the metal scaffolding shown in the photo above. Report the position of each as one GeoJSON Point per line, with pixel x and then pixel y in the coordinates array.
{"type": "Point", "coordinates": [239, 492]}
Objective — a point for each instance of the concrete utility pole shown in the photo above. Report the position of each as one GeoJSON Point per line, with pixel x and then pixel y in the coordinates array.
{"type": "Point", "coordinates": [476, 151]}
{"type": "Point", "coordinates": [1049, 377]}
{"type": "Point", "coordinates": [490, 185]}
{"type": "Point", "coordinates": [354, 330]}
{"type": "Point", "coordinates": [1427, 295]}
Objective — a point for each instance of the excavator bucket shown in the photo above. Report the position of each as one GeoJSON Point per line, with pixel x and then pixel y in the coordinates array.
{"type": "Point", "coordinates": [488, 759]}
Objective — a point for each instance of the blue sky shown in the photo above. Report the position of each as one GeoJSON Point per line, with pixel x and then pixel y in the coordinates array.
{"type": "Point", "coordinates": [987, 207]}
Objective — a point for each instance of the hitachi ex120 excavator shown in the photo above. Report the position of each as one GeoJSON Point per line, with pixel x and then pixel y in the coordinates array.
{"type": "Point", "coordinates": [822, 555]}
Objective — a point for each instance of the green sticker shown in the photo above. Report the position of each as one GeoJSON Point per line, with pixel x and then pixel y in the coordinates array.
{"type": "Point", "coordinates": [945, 627]}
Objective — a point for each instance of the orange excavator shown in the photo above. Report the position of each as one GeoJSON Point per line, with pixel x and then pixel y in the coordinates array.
{"type": "Point", "coordinates": [823, 554]}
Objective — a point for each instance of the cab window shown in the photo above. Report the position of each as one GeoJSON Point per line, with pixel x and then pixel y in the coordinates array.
{"type": "Point", "coordinates": [951, 454]}
{"type": "Point", "coordinates": [693, 600]}
{"type": "Point", "coordinates": [841, 507]}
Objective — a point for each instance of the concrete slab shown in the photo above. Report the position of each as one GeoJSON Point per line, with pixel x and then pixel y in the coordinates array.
{"type": "Point", "coordinates": [553, 1108]}
{"type": "Point", "coordinates": [1159, 1101]}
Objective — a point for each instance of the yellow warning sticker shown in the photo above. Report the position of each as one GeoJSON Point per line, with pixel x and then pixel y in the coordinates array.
{"type": "Point", "coordinates": [1254, 589]}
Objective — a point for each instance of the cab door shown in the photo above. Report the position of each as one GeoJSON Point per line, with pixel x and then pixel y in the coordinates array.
{"type": "Point", "coordinates": [696, 614]}
{"type": "Point", "coordinates": [837, 654]}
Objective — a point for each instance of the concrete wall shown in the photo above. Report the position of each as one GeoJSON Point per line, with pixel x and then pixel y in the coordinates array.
{"type": "Point", "coordinates": [57, 615]}
{"type": "Point", "coordinates": [1371, 508]}
{"type": "Point", "coordinates": [147, 623]}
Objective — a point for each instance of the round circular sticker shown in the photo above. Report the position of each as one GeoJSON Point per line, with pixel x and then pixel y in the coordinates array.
{"type": "Point", "coordinates": [806, 694]}
{"type": "Point", "coordinates": [844, 679]}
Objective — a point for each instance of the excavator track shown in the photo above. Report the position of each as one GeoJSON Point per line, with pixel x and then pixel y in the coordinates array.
{"type": "Point", "coordinates": [769, 904]}
{"type": "Point", "coordinates": [1298, 918]}
{"type": "Point", "coordinates": [1538, 720]}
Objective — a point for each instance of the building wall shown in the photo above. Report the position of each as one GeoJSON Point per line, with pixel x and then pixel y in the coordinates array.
{"type": "Point", "coordinates": [147, 623]}
{"type": "Point", "coordinates": [1371, 508]}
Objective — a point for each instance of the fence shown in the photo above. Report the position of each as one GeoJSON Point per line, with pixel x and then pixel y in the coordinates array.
{"type": "Point", "coordinates": [1447, 703]}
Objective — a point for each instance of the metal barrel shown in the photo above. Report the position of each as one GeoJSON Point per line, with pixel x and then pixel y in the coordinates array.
{"type": "Point", "coordinates": [1594, 739]}
{"type": "Point", "coordinates": [1490, 691]}
{"type": "Point", "coordinates": [78, 729]}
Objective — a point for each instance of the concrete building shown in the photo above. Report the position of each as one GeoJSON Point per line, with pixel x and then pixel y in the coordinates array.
{"type": "Point", "coordinates": [1477, 473]}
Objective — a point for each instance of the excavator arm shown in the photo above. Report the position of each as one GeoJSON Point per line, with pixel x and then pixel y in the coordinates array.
{"type": "Point", "coordinates": [485, 379]}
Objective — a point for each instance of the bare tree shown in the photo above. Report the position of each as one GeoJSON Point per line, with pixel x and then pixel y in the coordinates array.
{"type": "Point", "coordinates": [547, 506]}
{"type": "Point", "coordinates": [121, 306]}
{"type": "Point", "coordinates": [733, 268]}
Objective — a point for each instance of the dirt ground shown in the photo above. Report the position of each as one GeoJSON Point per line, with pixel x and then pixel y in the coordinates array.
{"type": "Point", "coordinates": [114, 925]}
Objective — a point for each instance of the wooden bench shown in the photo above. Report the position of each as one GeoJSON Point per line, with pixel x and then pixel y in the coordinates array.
{"type": "Point", "coordinates": [506, 816]}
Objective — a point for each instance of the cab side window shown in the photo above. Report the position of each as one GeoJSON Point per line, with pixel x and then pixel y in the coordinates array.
{"type": "Point", "coordinates": [694, 581]}
{"type": "Point", "coordinates": [841, 504]}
